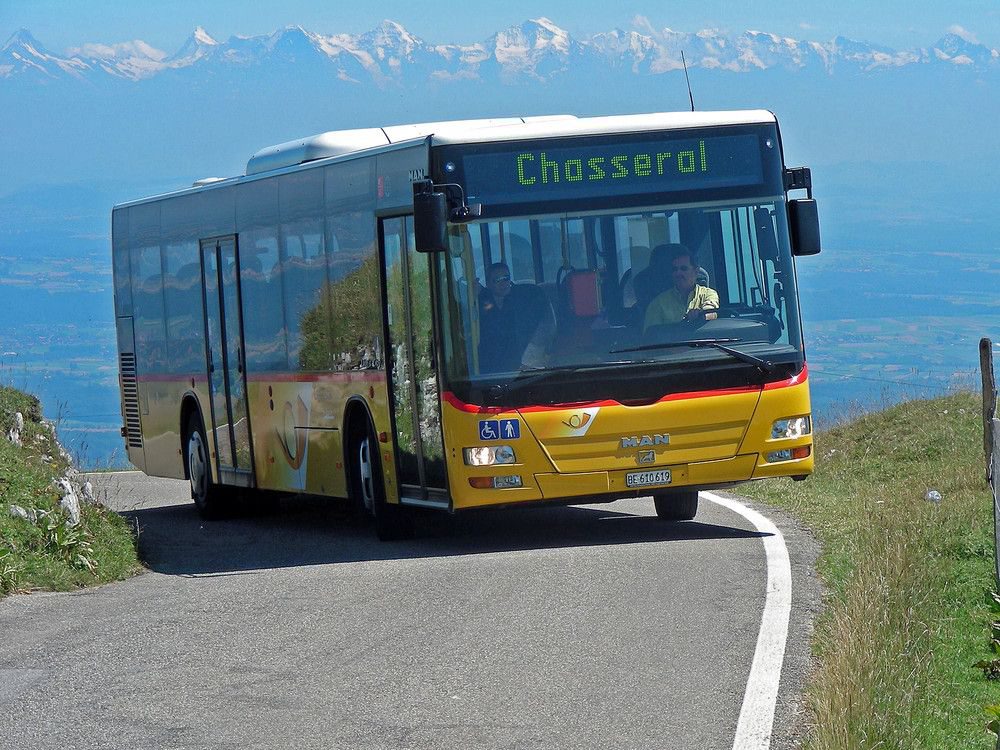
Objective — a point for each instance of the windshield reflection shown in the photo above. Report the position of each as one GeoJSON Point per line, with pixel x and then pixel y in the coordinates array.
{"type": "Point", "coordinates": [581, 294]}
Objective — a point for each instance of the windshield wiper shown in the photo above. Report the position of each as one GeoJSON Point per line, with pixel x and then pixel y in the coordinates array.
{"type": "Point", "coordinates": [534, 374]}
{"type": "Point", "coordinates": [764, 365]}
{"type": "Point", "coordinates": [524, 378]}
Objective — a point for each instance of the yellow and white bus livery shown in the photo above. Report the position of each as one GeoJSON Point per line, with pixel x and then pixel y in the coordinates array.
{"type": "Point", "coordinates": [478, 313]}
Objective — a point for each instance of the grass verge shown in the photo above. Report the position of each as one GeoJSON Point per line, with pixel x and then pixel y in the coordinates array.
{"type": "Point", "coordinates": [906, 617]}
{"type": "Point", "coordinates": [47, 553]}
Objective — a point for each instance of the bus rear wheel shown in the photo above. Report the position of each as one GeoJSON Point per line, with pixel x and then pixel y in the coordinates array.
{"type": "Point", "coordinates": [391, 521]}
{"type": "Point", "coordinates": [676, 506]}
{"type": "Point", "coordinates": [208, 497]}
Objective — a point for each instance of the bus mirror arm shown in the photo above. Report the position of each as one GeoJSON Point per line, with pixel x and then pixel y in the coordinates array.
{"type": "Point", "coordinates": [433, 207]}
{"type": "Point", "coordinates": [461, 212]}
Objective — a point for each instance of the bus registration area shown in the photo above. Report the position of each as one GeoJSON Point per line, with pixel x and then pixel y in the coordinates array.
{"type": "Point", "coordinates": [647, 478]}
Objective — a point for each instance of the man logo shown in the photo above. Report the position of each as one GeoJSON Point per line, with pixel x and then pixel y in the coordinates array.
{"type": "Point", "coordinates": [577, 421]}
{"type": "Point", "coordinates": [645, 441]}
{"type": "Point", "coordinates": [646, 457]}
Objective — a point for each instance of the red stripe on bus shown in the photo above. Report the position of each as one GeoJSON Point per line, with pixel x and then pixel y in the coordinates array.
{"type": "Point", "coordinates": [800, 377]}
{"type": "Point", "coordinates": [453, 400]}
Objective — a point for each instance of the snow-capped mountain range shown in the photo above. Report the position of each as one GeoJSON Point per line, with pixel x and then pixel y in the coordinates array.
{"type": "Point", "coordinates": [536, 50]}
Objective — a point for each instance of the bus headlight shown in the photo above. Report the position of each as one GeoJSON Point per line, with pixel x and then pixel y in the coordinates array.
{"type": "Point", "coordinates": [793, 427]}
{"type": "Point", "coordinates": [488, 455]}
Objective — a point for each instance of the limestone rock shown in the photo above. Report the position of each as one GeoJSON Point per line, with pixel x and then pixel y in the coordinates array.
{"type": "Point", "coordinates": [28, 514]}
{"type": "Point", "coordinates": [70, 503]}
{"type": "Point", "coordinates": [16, 429]}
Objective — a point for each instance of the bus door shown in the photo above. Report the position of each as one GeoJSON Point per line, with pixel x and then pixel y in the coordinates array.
{"type": "Point", "coordinates": [416, 404]}
{"type": "Point", "coordinates": [229, 430]}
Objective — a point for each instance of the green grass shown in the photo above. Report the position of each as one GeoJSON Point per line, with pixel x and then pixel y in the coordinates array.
{"type": "Point", "coordinates": [47, 554]}
{"type": "Point", "coordinates": [906, 616]}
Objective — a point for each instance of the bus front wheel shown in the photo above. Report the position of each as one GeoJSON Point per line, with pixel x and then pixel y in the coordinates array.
{"type": "Point", "coordinates": [208, 497]}
{"type": "Point", "coordinates": [391, 521]}
{"type": "Point", "coordinates": [676, 506]}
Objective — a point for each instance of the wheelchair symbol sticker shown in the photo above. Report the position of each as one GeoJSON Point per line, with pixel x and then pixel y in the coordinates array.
{"type": "Point", "coordinates": [489, 429]}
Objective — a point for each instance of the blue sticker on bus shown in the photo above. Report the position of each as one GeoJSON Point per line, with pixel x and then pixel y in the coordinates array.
{"type": "Point", "coordinates": [489, 429]}
{"type": "Point", "coordinates": [510, 429]}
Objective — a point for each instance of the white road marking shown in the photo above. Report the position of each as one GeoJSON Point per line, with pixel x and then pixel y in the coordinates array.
{"type": "Point", "coordinates": [753, 730]}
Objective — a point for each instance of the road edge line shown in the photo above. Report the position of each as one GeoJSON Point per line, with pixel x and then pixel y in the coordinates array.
{"type": "Point", "coordinates": [756, 722]}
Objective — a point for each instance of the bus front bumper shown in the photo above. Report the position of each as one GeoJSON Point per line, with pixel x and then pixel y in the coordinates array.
{"type": "Point", "coordinates": [555, 486]}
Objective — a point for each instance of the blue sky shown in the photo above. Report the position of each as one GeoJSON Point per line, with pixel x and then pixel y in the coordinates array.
{"type": "Point", "coordinates": [61, 24]}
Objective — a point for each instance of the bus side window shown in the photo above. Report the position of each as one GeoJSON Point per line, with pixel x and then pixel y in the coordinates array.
{"type": "Point", "coordinates": [183, 304]}
{"type": "Point", "coordinates": [263, 323]}
{"type": "Point", "coordinates": [307, 308]}
{"type": "Point", "coordinates": [147, 300]}
{"type": "Point", "coordinates": [355, 308]}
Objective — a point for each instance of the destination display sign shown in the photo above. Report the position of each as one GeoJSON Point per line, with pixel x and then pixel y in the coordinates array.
{"type": "Point", "coordinates": [561, 170]}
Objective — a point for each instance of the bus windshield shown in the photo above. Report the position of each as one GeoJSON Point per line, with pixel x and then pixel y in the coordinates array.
{"type": "Point", "coordinates": [628, 304]}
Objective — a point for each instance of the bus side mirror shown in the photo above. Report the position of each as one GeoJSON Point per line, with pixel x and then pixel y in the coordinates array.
{"type": "Point", "coordinates": [803, 226]}
{"type": "Point", "coordinates": [430, 219]}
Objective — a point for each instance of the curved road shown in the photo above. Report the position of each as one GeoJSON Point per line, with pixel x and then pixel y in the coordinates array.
{"type": "Point", "coordinates": [578, 627]}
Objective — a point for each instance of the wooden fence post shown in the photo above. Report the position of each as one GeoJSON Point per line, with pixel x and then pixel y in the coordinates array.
{"type": "Point", "coordinates": [989, 398]}
{"type": "Point", "coordinates": [991, 437]}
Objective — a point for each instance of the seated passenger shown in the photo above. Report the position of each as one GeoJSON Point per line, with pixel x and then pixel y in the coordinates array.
{"type": "Point", "coordinates": [516, 323]}
{"type": "Point", "coordinates": [686, 300]}
{"type": "Point", "coordinates": [653, 279]}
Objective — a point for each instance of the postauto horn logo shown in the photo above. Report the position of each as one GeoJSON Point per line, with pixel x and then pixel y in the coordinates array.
{"type": "Point", "coordinates": [579, 422]}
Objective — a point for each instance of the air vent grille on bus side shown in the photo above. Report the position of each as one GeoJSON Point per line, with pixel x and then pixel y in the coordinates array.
{"type": "Point", "coordinates": [130, 399]}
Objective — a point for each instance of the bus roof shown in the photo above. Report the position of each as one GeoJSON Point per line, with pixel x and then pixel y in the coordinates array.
{"type": "Point", "coordinates": [344, 143]}
{"type": "Point", "coordinates": [600, 125]}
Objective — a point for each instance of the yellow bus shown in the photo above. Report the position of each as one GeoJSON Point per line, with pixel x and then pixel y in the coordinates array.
{"type": "Point", "coordinates": [476, 313]}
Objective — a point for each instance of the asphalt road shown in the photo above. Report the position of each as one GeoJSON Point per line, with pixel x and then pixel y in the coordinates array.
{"type": "Point", "coordinates": [577, 627]}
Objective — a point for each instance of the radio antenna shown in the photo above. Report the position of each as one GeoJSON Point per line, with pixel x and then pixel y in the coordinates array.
{"type": "Point", "coordinates": [690, 95]}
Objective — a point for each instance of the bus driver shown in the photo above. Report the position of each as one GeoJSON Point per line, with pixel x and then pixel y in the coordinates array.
{"type": "Point", "coordinates": [686, 300]}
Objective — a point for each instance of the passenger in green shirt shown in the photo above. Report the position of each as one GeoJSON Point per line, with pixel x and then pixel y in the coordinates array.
{"type": "Point", "coordinates": [686, 300]}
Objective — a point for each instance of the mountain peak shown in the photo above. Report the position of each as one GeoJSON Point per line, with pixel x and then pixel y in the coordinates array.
{"type": "Point", "coordinates": [22, 38]}
{"type": "Point", "coordinates": [203, 37]}
{"type": "Point", "coordinates": [544, 23]}
{"type": "Point", "coordinates": [197, 46]}
{"type": "Point", "coordinates": [393, 32]}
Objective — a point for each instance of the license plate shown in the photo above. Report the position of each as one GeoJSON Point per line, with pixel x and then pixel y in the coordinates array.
{"type": "Point", "coordinates": [647, 478]}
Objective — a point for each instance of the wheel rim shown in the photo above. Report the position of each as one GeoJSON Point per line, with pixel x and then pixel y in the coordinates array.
{"type": "Point", "coordinates": [365, 474]}
{"type": "Point", "coordinates": [197, 466]}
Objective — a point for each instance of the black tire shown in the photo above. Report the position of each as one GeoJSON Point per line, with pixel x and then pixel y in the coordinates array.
{"type": "Point", "coordinates": [210, 499]}
{"type": "Point", "coordinates": [676, 506]}
{"type": "Point", "coordinates": [391, 521]}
